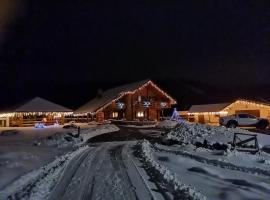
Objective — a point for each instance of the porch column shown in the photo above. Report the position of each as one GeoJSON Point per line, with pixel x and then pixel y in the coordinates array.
{"type": "Point", "coordinates": [128, 112]}
{"type": "Point", "coordinates": [7, 122]}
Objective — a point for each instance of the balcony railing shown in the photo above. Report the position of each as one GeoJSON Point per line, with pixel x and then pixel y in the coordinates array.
{"type": "Point", "coordinates": [155, 105]}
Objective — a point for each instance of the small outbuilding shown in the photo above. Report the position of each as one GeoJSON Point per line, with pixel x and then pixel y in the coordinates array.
{"type": "Point", "coordinates": [34, 111]}
{"type": "Point", "coordinates": [210, 113]}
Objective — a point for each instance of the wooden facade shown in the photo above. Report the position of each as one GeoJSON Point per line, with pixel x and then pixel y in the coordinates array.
{"type": "Point", "coordinates": [142, 101]}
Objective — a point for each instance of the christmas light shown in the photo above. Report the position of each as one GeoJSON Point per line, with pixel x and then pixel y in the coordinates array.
{"type": "Point", "coordinates": [34, 113]}
{"type": "Point", "coordinates": [208, 113]}
{"type": "Point", "coordinates": [122, 94]}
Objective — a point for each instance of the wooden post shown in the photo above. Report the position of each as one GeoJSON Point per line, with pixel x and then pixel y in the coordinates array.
{"type": "Point", "coordinates": [128, 112]}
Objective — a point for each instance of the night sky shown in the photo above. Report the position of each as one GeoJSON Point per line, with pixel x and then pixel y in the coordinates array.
{"type": "Point", "coordinates": [199, 51]}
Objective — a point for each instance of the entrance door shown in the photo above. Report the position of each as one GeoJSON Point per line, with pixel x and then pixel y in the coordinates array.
{"type": "Point", "coordinates": [201, 119]}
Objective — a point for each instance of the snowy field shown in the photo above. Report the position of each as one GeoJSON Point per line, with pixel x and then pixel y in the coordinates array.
{"type": "Point", "coordinates": [213, 174]}
{"type": "Point", "coordinates": [25, 149]}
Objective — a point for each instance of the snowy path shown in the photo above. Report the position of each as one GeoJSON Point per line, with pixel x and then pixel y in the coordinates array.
{"type": "Point", "coordinates": [106, 171]}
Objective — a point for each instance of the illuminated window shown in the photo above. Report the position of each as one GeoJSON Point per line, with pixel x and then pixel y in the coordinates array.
{"type": "Point", "coordinates": [140, 114]}
{"type": "Point", "coordinates": [115, 114]}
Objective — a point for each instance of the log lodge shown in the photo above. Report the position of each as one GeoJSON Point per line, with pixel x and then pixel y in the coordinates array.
{"type": "Point", "coordinates": [139, 101]}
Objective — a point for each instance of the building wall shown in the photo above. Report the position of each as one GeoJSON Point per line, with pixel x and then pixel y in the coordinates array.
{"type": "Point", "coordinates": [132, 105]}
{"type": "Point", "coordinates": [233, 109]}
{"type": "Point", "coordinates": [208, 118]}
{"type": "Point", "coordinates": [264, 111]}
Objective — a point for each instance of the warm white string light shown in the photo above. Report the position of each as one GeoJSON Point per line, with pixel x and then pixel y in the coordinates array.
{"type": "Point", "coordinates": [225, 110]}
{"type": "Point", "coordinates": [173, 101]}
{"type": "Point", "coordinates": [13, 114]}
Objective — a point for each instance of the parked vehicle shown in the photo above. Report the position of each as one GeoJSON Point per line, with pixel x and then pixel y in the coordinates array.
{"type": "Point", "coordinates": [243, 120]}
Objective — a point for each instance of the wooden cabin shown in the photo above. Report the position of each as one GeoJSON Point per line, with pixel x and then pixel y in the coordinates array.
{"type": "Point", "coordinates": [139, 101]}
{"type": "Point", "coordinates": [36, 110]}
{"type": "Point", "coordinates": [210, 113]}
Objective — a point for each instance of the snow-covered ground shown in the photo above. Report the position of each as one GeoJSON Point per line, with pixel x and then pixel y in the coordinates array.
{"type": "Point", "coordinates": [167, 124]}
{"type": "Point", "coordinates": [144, 170]}
{"type": "Point", "coordinates": [214, 174]}
{"type": "Point", "coordinates": [25, 149]}
{"type": "Point", "coordinates": [104, 171]}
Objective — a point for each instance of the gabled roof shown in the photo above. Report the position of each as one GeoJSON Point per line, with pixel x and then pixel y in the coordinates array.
{"type": "Point", "coordinates": [114, 94]}
{"type": "Point", "coordinates": [208, 107]}
{"type": "Point", "coordinates": [38, 104]}
{"type": "Point", "coordinates": [222, 106]}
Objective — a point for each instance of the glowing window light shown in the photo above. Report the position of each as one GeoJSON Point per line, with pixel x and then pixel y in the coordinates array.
{"type": "Point", "coordinates": [140, 114]}
{"type": "Point", "coordinates": [115, 114]}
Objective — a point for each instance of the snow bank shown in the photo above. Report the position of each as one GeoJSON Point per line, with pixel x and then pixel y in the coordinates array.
{"type": "Point", "coordinates": [73, 139]}
{"type": "Point", "coordinates": [38, 183]}
{"type": "Point", "coordinates": [167, 124]}
{"type": "Point", "coordinates": [187, 133]}
{"type": "Point", "coordinates": [168, 175]}
{"type": "Point", "coordinates": [98, 130]}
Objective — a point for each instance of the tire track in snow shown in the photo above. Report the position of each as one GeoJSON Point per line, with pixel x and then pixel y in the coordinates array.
{"type": "Point", "coordinates": [100, 173]}
{"type": "Point", "coordinates": [71, 174]}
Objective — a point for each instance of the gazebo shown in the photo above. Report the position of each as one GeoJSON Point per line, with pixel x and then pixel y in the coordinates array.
{"type": "Point", "coordinates": [34, 111]}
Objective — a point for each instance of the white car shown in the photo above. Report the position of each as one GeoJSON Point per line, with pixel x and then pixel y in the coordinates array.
{"type": "Point", "coordinates": [244, 120]}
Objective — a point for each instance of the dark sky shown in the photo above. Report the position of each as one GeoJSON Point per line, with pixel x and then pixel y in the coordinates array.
{"type": "Point", "coordinates": [46, 45]}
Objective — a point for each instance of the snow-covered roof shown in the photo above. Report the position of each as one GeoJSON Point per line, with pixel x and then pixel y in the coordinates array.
{"type": "Point", "coordinates": [38, 104]}
{"type": "Point", "coordinates": [113, 94]}
{"type": "Point", "coordinates": [208, 107]}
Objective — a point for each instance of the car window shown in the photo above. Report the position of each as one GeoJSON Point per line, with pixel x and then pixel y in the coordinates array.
{"type": "Point", "coordinates": [243, 116]}
{"type": "Point", "coordinates": [251, 116]}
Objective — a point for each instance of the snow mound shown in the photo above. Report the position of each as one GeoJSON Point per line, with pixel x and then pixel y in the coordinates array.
{"type": "Point", "coordinates": [73, 139]}
{"type": "Point", "coordinates": [168, 175]}
{"type": "Point", "coordinates": [188, 133]}
{"type": "Point", "coordinates": [167, 124]}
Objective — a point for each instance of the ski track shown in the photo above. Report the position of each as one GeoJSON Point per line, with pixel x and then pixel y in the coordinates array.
{"type": "Point", "coordinates": [101, 173]}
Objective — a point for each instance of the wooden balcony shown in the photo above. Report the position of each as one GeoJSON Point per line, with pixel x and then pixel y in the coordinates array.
{"type": "Point", "coordinates": [152, 105]}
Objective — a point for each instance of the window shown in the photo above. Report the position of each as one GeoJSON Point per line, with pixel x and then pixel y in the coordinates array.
{"type": "Point", "coordinates": [140, 114]}
{"type": "Point", "coordinates": [115, 114]}
{"type": "Point", "coordinates": [243, 116]}
{"type": "Point", "coordinates": [252, 116]}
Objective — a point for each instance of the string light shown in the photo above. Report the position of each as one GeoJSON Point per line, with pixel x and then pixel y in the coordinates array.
{"type": "Point", "coordinates": [208, 113]}
{"type": "Point", "coordinates": [225, 110]}
{"type": "Point", "coordinates": [122, 94]}
{"type": "Point", "coordinates": [13, 114]}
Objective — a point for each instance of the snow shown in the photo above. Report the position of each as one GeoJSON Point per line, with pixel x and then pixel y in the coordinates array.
{"type": "Point", "coordinates": [112, 173]}
{"type": "Point", "coordinates": [215, 181]}
{"type": "Point", "coordinates": [167, 124]}
{"type": "Point", "coordinates": [42, 180]}
{"type": "Point", "coordinates": [139, 126]}
{"type": "Point", "coordinates": [216, 174]}
{"type": "Point", "coordinates": [168, 175]}
{"type": "Point", "coordinates": [33, 148]}
{"type": "Point", "coordinates": [190, 133]}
